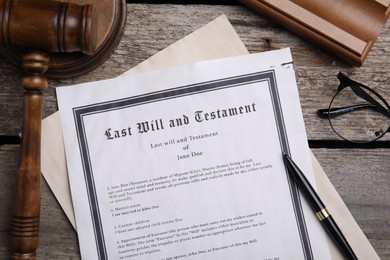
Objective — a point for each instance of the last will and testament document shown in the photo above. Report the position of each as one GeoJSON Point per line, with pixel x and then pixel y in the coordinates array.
{"type": "Point", "coordinates": [186, 162]}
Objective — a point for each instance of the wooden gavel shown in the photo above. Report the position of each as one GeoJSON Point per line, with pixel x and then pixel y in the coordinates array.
{"type": "Point", "coordinates": [36, 29]}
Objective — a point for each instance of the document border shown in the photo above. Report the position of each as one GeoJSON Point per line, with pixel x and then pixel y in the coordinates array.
{"type": "Point", "coordinates": [79, 113]}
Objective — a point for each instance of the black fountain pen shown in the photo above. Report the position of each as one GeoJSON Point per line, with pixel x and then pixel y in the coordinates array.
{"type": "Point", "coordinates": [319, 207]}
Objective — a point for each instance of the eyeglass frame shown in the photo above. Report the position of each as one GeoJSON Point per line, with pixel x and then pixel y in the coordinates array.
{"type": "Point", "coordinates": [358, 89]}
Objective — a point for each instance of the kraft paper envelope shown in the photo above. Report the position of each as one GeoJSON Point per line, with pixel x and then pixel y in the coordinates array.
{"type": "Point", "coordinates": [215, 40]}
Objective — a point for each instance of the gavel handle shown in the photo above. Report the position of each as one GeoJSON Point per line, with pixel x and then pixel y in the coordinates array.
{"type": "Point", "coordinates": [26, 206]}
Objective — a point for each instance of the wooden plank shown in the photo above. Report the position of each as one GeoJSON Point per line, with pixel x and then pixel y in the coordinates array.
{"type": "Point", "coordinates": [360, 177]}
{"type": "Point", "coordinates": [150, 28]}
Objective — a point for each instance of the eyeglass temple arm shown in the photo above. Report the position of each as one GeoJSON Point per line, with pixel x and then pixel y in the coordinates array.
{"type": "Point", "coordinates": [345, 82]}
{"type": "Point", "coordinates": [338, 111]}
{"type": "Point", "coordinates": [373, 104]}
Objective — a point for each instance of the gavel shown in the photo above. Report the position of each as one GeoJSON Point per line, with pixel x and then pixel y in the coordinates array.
{"type": "Point", "coordinates": [36, 29]}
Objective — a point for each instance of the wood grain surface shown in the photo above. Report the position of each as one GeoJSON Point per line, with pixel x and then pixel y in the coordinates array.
{"type": "Point", "coordinates": [149, 29]}
{"type": "Point", "coordinates": [361, 176]}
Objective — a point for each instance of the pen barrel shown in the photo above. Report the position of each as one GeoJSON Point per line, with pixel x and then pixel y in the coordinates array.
{"type": "Point", "coordinates": [338, 237]}
{"type": "Point", "coordinates": [304, 185]}
{"type": "Point", "coordinates": [319, 207]}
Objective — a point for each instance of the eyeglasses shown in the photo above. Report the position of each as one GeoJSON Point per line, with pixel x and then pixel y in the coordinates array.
{"type": "Point", "coordinates": [356, 112]}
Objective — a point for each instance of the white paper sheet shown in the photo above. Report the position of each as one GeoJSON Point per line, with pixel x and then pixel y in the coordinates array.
{"type": "Point", "coordinates": [192, 171]}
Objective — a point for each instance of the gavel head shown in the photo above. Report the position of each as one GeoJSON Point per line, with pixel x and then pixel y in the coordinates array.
{"type": "Point", "coordinates": [45, 25]}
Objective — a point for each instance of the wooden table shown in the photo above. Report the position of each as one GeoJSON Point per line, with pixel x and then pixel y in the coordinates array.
{"type": "Point", "coordinates": [361, 175]}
